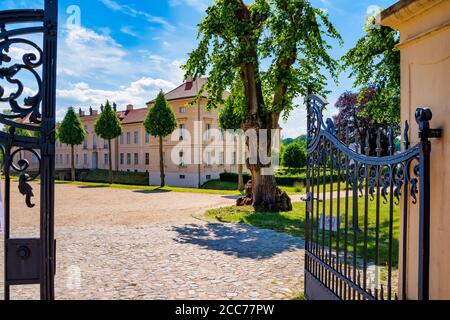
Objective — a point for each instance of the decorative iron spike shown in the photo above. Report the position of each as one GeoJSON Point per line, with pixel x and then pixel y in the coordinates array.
{"type": "Point", "coordinates": [382, 293]}
{"type": "Point", "coordinates": [378, 142]}
{"type": "Point", "coordinates": [391, 141]}
{"type": "Point", "coordinates": [359, 278]}
{"type": "Point", "coordinates": [376, 293]}
{"type": "Point", "coordinates": [396, 296]}
{"type": "Point", "coordinates": [367, 143]}
{"type": "Point", "coordinates": [406, 135]}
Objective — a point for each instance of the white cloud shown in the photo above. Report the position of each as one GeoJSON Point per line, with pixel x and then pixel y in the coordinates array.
{"type": "Point", "coordinates": [86, 53]}
{"type": "Point", "coordinates": [129, 31]}
{"type": "Point", "coordinates": [136, 93]}
{"type": "Point", "coordinates": [200, 5]}
{"type": "Point", "coordinates": [130, 11]}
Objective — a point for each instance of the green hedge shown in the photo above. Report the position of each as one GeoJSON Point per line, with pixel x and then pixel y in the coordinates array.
{"type": "Point", "coordinates": [119, 177]}
{"type": "Point", "coordinates": [282, 180]}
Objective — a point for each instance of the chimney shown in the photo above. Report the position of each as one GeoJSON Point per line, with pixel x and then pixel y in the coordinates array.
{"type": "Point", "coordinates": [81, 112]}
{"type": "Point", "coordinates": [90, 111]}
{"type": "Point", "coordinates": [189, 83]}
{"type": "Point", "coordinates": [95, 112]}
{"type": "Point", "coordinates": [130, 107]}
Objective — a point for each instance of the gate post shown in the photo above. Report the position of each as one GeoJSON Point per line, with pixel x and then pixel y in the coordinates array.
{"type": "Point", "coordinates": [48, 151]}
{"type": "Point", "coordinates": [423, 117]}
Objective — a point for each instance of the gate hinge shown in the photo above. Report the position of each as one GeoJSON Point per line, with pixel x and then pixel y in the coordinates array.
{"type": "Point", "coordinates": [434, 133]}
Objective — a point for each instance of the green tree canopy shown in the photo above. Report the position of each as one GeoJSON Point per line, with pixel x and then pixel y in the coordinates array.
{"type": "Point", "coordinates": [71, 131]}
{"type": "Point", "coordinates": [160, 120]}
{"type": "Point", "coordinates": [231, 116]}
{"type": "Point", "coordinates": [294, 156]}
{"type": "Point", "coordinates": [108, 127]}
{"type": "Point", "coordinates": [235, 38]}
{"type": "Point", "coordinates": [108, 124]}
{"type": "Point", "coordinates": [375, 64]}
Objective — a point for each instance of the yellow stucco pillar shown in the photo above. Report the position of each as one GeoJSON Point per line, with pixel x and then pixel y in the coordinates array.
{"type": "Point", "coordinates": [424, 27]}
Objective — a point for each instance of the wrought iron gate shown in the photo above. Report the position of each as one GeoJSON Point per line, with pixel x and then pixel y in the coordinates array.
{"type": "Point", "coordinates": [353, 209]}
{"type": "Point", "coordinates": [29, 128]}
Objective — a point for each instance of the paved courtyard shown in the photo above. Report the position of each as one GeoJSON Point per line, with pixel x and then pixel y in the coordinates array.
{"type": "Point", "coordinates": [135, 244]}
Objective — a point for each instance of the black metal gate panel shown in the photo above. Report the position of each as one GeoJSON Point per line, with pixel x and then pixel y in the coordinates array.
{"type": "Point", "coordinates": [353, 207]}
{"type": "Point", "coordinates": [28, 41]}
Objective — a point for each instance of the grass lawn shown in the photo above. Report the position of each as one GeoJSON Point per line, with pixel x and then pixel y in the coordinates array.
{"type": "Point", "coordinates": [226, 185]}
{"type": "Point", "coordinates": [293, 223]}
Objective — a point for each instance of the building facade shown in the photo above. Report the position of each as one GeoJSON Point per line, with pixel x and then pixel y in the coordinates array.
{"type": "Point", "coordinates": [196, 152]}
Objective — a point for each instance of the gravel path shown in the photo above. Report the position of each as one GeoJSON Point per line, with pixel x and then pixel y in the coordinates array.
{"type": "Point", "coordinates": [132, 244]}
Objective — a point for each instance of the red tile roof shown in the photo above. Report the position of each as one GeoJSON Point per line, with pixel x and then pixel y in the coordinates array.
{"type": "Point", "coordinates": [188, 89]}
{"type": "Point", "coordinates": [134, 116]}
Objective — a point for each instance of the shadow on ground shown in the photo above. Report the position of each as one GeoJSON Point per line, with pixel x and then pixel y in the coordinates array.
{"type": "Point", "coordinates": [92, 187]}
{"type": "Point", "coordinates": [239, 240]}
{"type": "Point", "coordinates": [152, 191]}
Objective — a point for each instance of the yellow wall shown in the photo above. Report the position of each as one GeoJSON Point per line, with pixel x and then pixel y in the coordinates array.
{"type": "Point", "coordinates": [425, 82]}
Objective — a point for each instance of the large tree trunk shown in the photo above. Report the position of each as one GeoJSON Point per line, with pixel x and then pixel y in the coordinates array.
{"type": "Point", "coordinates": [161, 162]}
{"type": "Point", "coordinates": [72, 172]}
{"type": "Point", "coordinates": [110, 162]}
{"type": "Point", "coordinates": [266, 196]}
{"type": "Point", "coordinates": [240, 165]}
{"type": "Point", "coordinates": [240, 177]}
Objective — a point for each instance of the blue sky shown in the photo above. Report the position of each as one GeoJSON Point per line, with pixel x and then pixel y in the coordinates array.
{"type": "Point", "coordinates": [126, 50]}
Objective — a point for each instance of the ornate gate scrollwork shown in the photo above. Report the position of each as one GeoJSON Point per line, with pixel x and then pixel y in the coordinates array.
{"type": "Point", "coordinates": [353, 208]}
{"type": "Point", "coordinates": [28, 41]}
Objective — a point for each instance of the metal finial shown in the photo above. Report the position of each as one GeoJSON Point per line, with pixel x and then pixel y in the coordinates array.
{"type": "Point", "coordinates": [406, 135]}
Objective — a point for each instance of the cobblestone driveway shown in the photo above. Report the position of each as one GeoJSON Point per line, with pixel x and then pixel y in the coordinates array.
{"type": "Point", "coordinates": [191, 259]}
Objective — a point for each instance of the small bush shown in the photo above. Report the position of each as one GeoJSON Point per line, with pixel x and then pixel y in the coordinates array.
{"type": "Point", "coordinates": [119, 177]}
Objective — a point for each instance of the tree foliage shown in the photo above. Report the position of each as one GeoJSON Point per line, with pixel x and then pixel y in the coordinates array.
{"type": "Point", "coordinates": [108, 127]}
{"type": "Point", "coordinates": [353, 124]}
{"type": "Point", "coordinates": [294, 156]}
{"type": "Point", "coordinates": [375, 64]}
{"type": "Point", "coordinates": [108, 124]}
{"type": "Point", "coordinates": [287, 33]}
{"type": "Point", "coordinates": [231, 116]}
{"type": "Point", "coordinates": [236, 39]}
{"type": "Point", "coordinates": [160, 122]}
{"type": "Point", "coordinates": [71, 131]}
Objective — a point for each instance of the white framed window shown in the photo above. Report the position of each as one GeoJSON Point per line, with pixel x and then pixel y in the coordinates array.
{"type": "Point", "coordinates": [122, 138]}
{"type": "Point", "coordinates": [233, 157]}
{"type": "Point", "coordinates": [208, 131]}
{"type": "Point", "coordinates": [106, 159]}
{"type": "Point", "coordinates": [147, 158]}
{"type": "Point", "coordinates": [122, 158]}
{"type": "Point", "coordinates": [147, 137]}
{"type": "Point", "coordinates": [182, 109]}
{"type": "Point", "coordinates": [136, 158]}
{"type": "Point", "coordinates": [85, 162]}
{"type": "Point", "coordinates": [105, 143]}
{"type": "Point", "coordinates": [129, 158]}
{"type": "Point", "coordinates": [208, 158]}
{"type": "Point", "coordinates": [182, 128]}
{"type": "Point", "coordinates": [128, 137]}
{"type": "Point", "coordinates": [181, 155]}
{"type": "Point", "coordinates": [221, 159]}
{"type": "Point", "coordinates": [136, 137]}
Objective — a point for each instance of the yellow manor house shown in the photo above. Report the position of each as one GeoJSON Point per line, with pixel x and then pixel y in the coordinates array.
{"type": "Point", "coordinates": [135, 150]}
